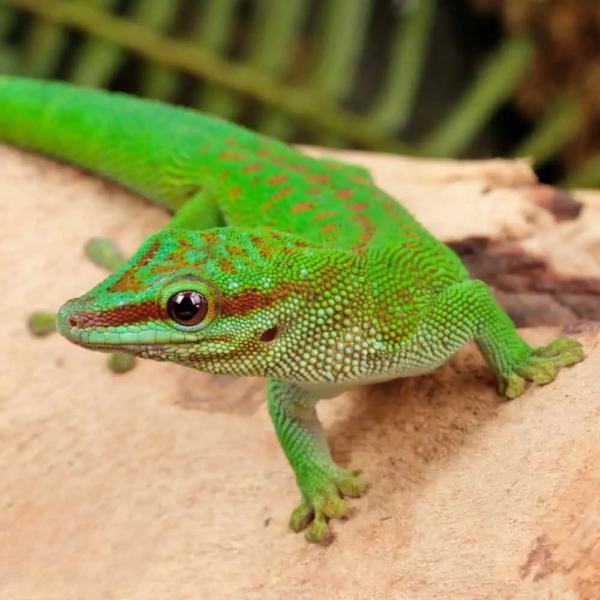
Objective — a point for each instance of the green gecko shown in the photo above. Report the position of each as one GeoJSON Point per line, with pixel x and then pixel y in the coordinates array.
{"type": "Point", "coordinates": [274, 264]}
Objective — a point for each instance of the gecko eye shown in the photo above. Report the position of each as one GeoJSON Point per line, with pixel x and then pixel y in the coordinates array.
{"type": "Point", "coordinates": [187, 308]}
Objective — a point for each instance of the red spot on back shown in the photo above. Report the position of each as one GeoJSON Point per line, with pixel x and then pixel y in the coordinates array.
{"type": "Point", "coordinates": [313, 191]}
{"type": "Point", "coordinates": [302, 207]}
{"type": "Point", "coordinates": [360, 218]}
{"type": "Point", "coordinates": [277, 179]}
{"type": "Point", "coordinates": [345, 194]}
{"type": "Point", "coordinates": [298, 168]}
{"type": "Point", "coordinates": [230, 155]}
{"type": "Point", "coordinates": [328, 228]}
{"type": "Point", "coordinates": [252, 168]}
{"type": "Point", "coordinates": [325, 215]}
{"type": "Point", "coordinates": [282, 193]}
{"type": "Point", "coordinates": [318, 178]}
{"type": "Point", "coordinates": [359, 179]}
{"type": "Point", "coordinates": [235, 192]}
{"type": "Point", "coordinates": [264, 152]}
{"type": "Point", "coordinates": [359, 206]}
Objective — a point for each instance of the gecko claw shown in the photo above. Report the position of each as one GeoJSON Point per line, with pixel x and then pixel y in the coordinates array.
{"type": "Point", "coordinates": [322, 500]}
{"type": "Point", "coordinates": [541, 366]}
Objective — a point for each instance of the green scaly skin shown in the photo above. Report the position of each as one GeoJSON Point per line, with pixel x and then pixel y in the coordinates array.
{"type": "Point", "coordinates": [319, 281]}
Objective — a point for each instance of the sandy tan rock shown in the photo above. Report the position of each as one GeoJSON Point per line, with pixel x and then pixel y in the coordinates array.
{"type": "Point", "coordinates": [168, 484]}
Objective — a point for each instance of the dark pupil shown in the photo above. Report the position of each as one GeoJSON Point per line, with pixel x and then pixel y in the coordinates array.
{"type": "Point", "coordinates": [187, 308]}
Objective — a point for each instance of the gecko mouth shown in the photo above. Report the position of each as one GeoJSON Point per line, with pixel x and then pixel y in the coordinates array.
{"type": "Point", "coordinates": [125, 348]}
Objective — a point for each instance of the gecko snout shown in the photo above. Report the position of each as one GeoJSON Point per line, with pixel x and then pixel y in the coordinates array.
{"type": "Point", "coordinates": [70, 318]}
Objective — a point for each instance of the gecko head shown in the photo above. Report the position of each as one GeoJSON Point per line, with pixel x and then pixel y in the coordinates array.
{"type": "Point", "coordinates": [231, 301]}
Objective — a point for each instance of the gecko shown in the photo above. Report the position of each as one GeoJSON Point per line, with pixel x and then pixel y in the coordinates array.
{"type": "Point", "coordinates": [273, 264]}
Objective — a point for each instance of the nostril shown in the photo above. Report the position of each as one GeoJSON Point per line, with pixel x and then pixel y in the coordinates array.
{"type": "Point", "coordinates": [75, 321]}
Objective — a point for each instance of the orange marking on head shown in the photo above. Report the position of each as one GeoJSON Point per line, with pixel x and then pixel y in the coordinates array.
{"type": "Point", "coordinates": [129, 282]}
{"type": "Point", "coordinates": [227, 267]}
{"type": "Point", "coordinates": [318, 178]}
{"type": "Point", "coordinates": [277, 179]}
{"type": "Point", "coordinates": [301, 244]}
{"type": "Point", "coordinates": [264, 250]}
{"type": "Point", "coordinates": [329, 228]}
{"type": "Point", "coordinates": [302, 207]}
{"type": "Point", "coordinates": [252, 168]}
{"type": "Point", "coordinates": [325, 215]}
{"type": "Point", "coordinates": [249, 301]}
{"type": "Point", "coordinates": [345, 194]}
{"type": "Point", "coordinates": [149, 254]}
{"type": "Point", "coordinates": [359, 206]}
{"type": "Point", "coordinates": [236, 251]}
{"type": "Point", "coordinates": [209, 237]}
{"type": "Point", "coordinates": [164, 268]}
{"type": "Point", "coordinates": [260, 246]}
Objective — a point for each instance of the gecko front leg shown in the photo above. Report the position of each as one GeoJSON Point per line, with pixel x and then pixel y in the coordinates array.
{"type": "Point", "coordinates": [323, 484]}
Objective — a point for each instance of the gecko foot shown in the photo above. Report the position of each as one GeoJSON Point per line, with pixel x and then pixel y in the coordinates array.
{"type": "Point", "coordinates": [323, 499]}
{"type": "Point", "coordinates": [104, 253]}
{"type": "Point", "coordinates": [541, 365]}
{"type": "Point", "coordinates": [41, 323]}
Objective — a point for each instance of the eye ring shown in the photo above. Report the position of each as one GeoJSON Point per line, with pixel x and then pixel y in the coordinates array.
{"type": "Point", "coordinates": [200, 297]}
{"type": "Point", "coordinates": [187, 308]}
